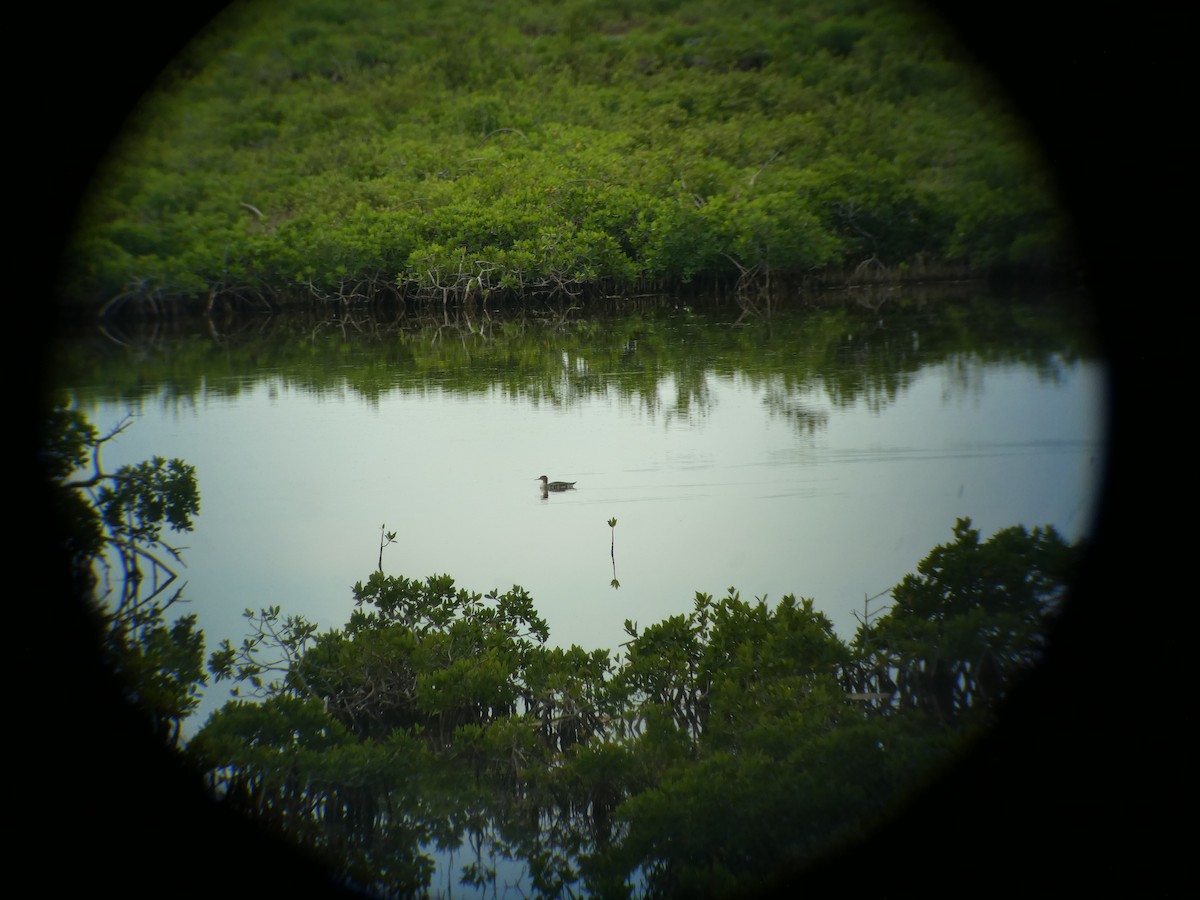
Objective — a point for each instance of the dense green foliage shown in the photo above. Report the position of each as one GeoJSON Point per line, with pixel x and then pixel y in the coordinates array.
{"type": "Point", "coordinates": [724, 746]}
{"type": "Point", "coordinates": [358, 149]}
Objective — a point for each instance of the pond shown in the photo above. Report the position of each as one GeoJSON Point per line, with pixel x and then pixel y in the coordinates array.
{"type": "Point", "coordinates": [819, 451]}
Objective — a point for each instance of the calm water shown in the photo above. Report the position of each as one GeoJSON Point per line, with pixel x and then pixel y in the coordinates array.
{"type": "Point", "coordinates": [821, 454]}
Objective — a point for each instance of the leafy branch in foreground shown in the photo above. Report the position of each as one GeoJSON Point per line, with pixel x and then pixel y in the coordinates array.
{"type": "Point", "coordinates": [286, 639]}
{"type": "Point", "coordinates": [114, 526]}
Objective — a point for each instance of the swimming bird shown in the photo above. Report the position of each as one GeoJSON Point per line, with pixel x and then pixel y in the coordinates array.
{"type": "Point", "coordinates": [548, 485]}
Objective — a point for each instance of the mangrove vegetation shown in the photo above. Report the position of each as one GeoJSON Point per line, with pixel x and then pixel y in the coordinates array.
{"type": "Point", "coordinates": [713, 751]}
{"type": "Point", "coordinates": [523, 197]}
{"type": "Point", "coordinates": [368, 151]}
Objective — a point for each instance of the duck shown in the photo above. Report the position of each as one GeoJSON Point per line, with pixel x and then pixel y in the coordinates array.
{"type": "Point", "coordinates": [548, 485]}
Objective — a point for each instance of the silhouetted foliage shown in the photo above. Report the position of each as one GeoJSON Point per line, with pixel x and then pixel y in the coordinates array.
{"type": "Point", "coordinates": [113, 525]}
{"type": "Point", "coordinates": [726, 745]}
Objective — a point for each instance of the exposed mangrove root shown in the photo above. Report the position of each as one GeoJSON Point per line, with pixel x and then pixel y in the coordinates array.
{"type": "Point", "coordinates": [757, 289]}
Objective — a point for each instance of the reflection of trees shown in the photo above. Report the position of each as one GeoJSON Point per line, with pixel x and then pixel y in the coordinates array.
{"type": "Point", "coordinates": [799, 413]}
{"type": "Point", "coordinates": [561, 355]}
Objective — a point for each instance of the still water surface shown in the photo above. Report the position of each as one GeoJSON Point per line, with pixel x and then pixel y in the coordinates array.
{"type": "Point", "coordinates": [750, 466]}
